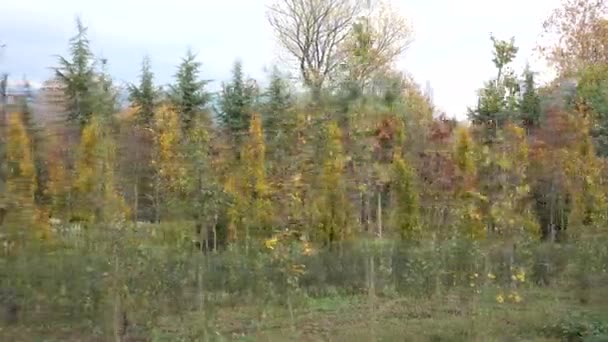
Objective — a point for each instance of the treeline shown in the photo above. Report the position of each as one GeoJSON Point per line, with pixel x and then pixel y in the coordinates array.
{"type": "Point", "coordinates": [358, 152]}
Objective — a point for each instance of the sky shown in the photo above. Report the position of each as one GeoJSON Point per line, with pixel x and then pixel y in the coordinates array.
{"type": "Point", "coordinates": [451, 48]}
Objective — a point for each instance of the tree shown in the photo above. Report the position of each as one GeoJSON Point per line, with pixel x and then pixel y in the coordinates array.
{"type": "Point", "coordinates": [497, 101]}
{"type": "Point", "coordinates": [279, 102]}
{"type": "Point", "coordinates": [332, 205]}
{"type": "Point", "coordinates": [311, 32]}
{"type": "Point", "coordinates": [170, 175]}
{"type": "Point", "coordinates": [97, 199]}
{"type": "Point", "coordinates": [529, 105]}
{"type": "Point", "coordinates": [376, 39]}
{"type": "Point", "coordinates": [237, 102]}
{"type": "Point", "coordinates": [21, 177]}
{"type": "Point", "coordinates": [576, 35]}
{"type": "Point", "coordinates": [406, 204]}
{"type": "Point", "coordinates": [145, 95]}
{"type": "Point", "coordinates": [256, 188]}
{"type": "Point", "coordinates": [188, 94]}
{"type": "Point", "coordinates": [78, 76]}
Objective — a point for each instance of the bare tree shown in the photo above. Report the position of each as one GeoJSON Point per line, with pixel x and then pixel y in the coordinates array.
{"type": "Point", "coordinates": [378, 38]}
{"type": "Point", "coordinates": [312, 32]}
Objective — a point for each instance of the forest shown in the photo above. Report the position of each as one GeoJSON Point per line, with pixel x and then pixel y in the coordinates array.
{"type": "Point", "coordinates": [334, 204]}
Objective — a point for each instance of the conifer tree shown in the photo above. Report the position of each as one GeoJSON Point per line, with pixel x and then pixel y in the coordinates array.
{"type": "Point", "coordinates": [188, 94]}
{"type": "Point", "coordinates": [144, 96]}
{"type": "Point", "coordinates": [237, 101]}
{"type": "Point", "coordinates": [78, 76]}
{"type": "Point", "coordinates": [279, 102]}
{"type": "Point", "coordinates": [529, 105]}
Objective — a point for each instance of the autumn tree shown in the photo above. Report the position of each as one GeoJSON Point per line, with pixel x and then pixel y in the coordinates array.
{"type": "Point", "coordinates": [333, 205]}
{"type": "Point", "coordinates": [379, 35]}
{"type": "Point", "coordinates": [97, 199]}
{"type": "Point", "coordinates": [576, 35]}
{"type": "Point", "coordinates": [21, 177]}
{"type": "Point", "coordinates": [256, 188]}
{"type": "Point", "coordinates": [188, 94]}
{"type": "Point", "coordinates": [169, 179]}
{"type": "Point", "coordinates": [406, 213]}
{"type": "Point", "coordinates": [311, 32]}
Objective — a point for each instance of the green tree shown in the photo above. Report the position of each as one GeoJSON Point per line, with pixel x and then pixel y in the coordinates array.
{"type": "Point", "coordinates": [145, 95]}
{"type": "Point", "coordinates": [529, 105]}
{"type": "Point", "coordinates": [78, 76]}
{"type": "Point", "coordinates": [188, 94]}
{"type": "Point", "coordinates": [497, 102]}
{"type": "Point", "coordinates": [278, 106]}
{"type": "Point", "coordinates": [237, 102]}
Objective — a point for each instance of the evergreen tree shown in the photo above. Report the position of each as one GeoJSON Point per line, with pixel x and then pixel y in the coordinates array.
{"type": "Point", "coordinates": [497, 101]}
{"type": "Point", "coordinates": [529, 105]}
{"type": "Point", "coordinates": [279, 102]}
{"type": "Point", "coordinates": [188, 94]}
{"type": "Point", "coordinates": [78, 75]}
{"type": "Point", "coordinates": [237, 102]}
{"type": "Point", "coordinates": [144, 96]}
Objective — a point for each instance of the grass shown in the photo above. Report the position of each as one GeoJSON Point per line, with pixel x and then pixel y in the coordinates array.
{"type": "Point", "coordinates": [70, 292]}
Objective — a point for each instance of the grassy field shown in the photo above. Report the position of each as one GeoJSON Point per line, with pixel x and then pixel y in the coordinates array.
{"type": "Point", "coordinates": [146, 288]}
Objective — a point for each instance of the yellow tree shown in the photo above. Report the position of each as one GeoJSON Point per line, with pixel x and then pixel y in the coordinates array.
{"type": "Point", "coordinates": [94, 187]}
{"type": "Point", "coordinates": [58, 183]}
{"type": "Point", "coordinates": [333, 207]}
{"type": "Point", "coordinates": [407, 208]}
{"type": "Point", "coordinates": [256, 189]}
{"type": "Point", "coordinates": [471, 224]}
{"type": "Point", "coordinates": [21, 177]}
{"type": "Point", "coordinates": [170, 178]}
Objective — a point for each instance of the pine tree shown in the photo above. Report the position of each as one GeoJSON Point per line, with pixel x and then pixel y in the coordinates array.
{"type": "Point", "coordinates": [78, 75]}
{"type": "Point", "coordinates": [144, 96]}
{"type": "Point", "coordinates": [529, 105]}
{"type": "Point", "coordinates": [188, 94]}
{"type": "Point", "coordinates": [279, 103]}
{"type": "Point", "coordinates": [237, 102]}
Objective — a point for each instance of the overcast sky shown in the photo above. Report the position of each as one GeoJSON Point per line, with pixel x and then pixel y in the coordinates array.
{"type": "Point", "coordinates": [451, 50]}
